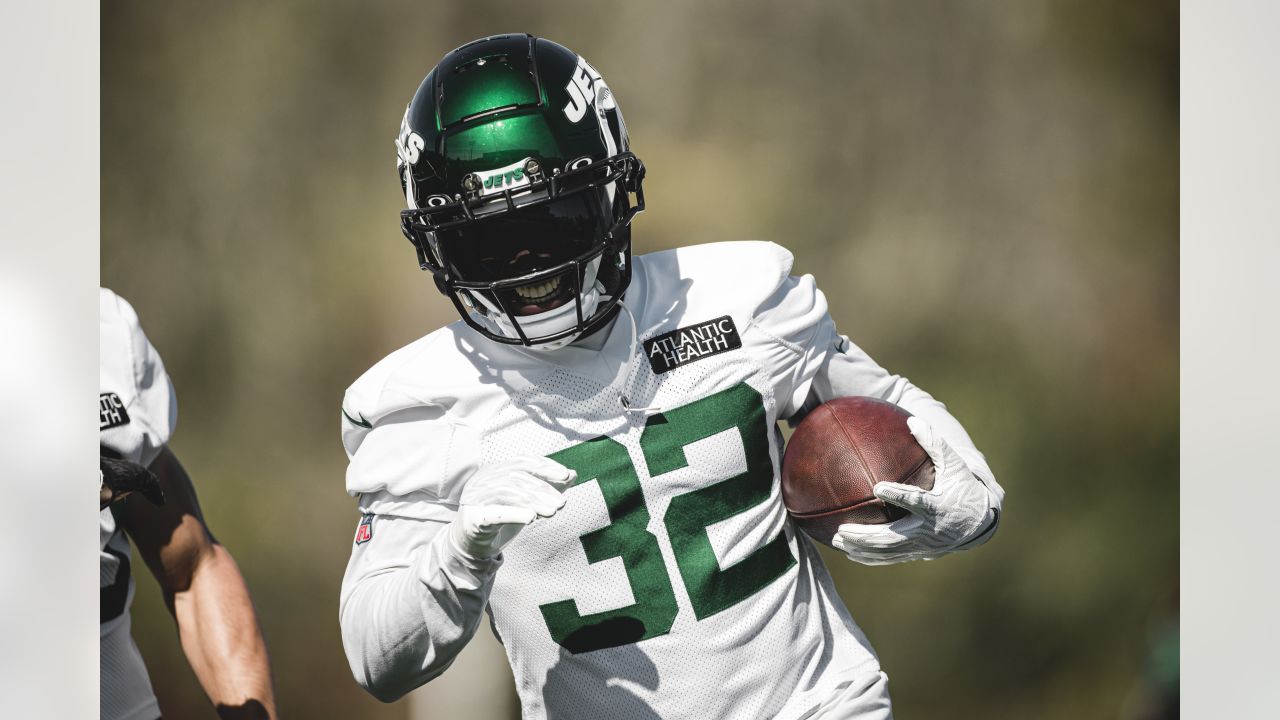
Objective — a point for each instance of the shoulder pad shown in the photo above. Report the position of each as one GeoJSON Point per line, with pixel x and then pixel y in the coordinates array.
{"type": "Point", "coordinates": [394, 384]}
{"type": "Point", "coordinates": [405, 422]}
{"type": "Point", "coordinates": [728, 277]}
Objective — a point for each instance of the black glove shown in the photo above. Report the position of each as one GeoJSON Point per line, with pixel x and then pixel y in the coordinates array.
{"type": "Point", "coordinates": [122, 477]}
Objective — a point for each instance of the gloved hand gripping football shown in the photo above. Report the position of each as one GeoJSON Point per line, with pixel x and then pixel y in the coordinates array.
{"type": "Point", "coordinates": [500, 500]}
{"type": "Point", "coordinates": [958, 511]}
{"type": "Point", "coordinates": [120, 478]}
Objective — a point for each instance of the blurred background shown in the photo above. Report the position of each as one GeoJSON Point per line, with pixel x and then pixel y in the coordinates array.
{"type": "Point", "coordinates": [987, 191]}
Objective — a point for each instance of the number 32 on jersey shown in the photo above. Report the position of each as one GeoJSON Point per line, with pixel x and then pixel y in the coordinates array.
{"type": "Point", "coordinates": [711, 589]}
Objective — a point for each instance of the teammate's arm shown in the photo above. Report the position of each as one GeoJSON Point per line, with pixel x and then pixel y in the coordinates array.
{"type": "Point", "coordinates": [206, 593]}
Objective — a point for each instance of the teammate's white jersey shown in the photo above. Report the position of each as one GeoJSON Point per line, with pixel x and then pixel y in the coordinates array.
{"type": "Point", "coordinates": [672, 584]}
{"type": "Point", "coordinates": [137, 412]}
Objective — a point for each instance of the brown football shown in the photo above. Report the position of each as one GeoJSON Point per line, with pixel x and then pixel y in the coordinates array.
{"type": "Point", "coordinates": [839, 451]}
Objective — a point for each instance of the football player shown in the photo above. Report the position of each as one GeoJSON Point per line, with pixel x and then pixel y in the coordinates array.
{"type": "Point", "coordinates": [144, 492]}
{"type": "Point", "coordinates": [591, 453]}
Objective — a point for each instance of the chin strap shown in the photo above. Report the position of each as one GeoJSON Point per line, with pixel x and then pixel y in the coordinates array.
{"type": "Point", "coordinates": [623, 400]}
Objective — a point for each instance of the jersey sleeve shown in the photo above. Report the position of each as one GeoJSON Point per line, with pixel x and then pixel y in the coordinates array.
{"type": "Point", "coordinates": [154, 406]}
{"type": "Point", "coordinates": [409, 452]}
{"type": "Point", "coordinates": [410, 602]}
{"type": "Point", "coordinates": [811, 363]}
{"type": "Point", "coordinates": [796, 334]}
{"type": "Point", "coordinates": [847, 370]}
{"type": "Point", "coordinates": [411, 464]}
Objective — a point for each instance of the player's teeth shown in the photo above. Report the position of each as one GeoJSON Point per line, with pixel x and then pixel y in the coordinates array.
{"type": "Point", "coordinates": [537, 291]}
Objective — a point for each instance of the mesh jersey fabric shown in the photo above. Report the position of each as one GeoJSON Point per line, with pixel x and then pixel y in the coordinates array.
{"type": "Point", "coordinates": [126, 692]}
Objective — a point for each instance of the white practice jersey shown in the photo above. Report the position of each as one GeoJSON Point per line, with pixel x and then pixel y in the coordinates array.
{"type": "Point", "coordinates": [137, 411]}
{"type": "Point", "coordinates": [672, 584]}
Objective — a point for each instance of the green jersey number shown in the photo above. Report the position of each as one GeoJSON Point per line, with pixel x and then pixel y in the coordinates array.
{"type": "Point", "coordinates": [606, 462]}
{"type": "Point", "coordinates": [711, 588]}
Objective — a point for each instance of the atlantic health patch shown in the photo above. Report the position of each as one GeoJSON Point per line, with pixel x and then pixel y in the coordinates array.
{"type": "Point", "coordinates": [111, 412]}
{"type": "Point", "coordinates": [669, 351]}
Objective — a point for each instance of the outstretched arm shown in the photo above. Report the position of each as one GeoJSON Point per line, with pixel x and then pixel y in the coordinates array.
{"type": "Point", "coordinates": [206, 593]}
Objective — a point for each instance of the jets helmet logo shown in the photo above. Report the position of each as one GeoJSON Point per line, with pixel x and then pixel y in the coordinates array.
{"type": "Point", "coordinates": [505, 178]}
{"type": "Point", "coordinates": [586, 88]}
{"type": "Point", "coordinates": [409, 145]}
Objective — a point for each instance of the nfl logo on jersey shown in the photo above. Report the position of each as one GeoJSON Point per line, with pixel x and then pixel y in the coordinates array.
{"type": "Point", "coordinates": [364, 531]}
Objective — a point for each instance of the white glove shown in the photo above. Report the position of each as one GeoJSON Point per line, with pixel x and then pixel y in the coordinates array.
{"type": "Point", "coordinates": [500, 500]}
{"type": "Point", "coordinates": [959, 511]}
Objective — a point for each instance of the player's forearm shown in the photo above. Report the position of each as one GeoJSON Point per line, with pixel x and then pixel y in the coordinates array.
{"type": "Point", "coordinates": [222, 639]}
{"type": "Point", "coordinates": [402, 627]}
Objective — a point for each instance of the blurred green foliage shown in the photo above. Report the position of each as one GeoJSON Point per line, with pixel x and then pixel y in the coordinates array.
{"type": "Point", "coordinates": [987, 191]}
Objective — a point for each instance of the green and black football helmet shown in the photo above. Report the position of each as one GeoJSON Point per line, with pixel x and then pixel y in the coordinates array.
{"type": "Point", "coordinates": [521, 186]}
